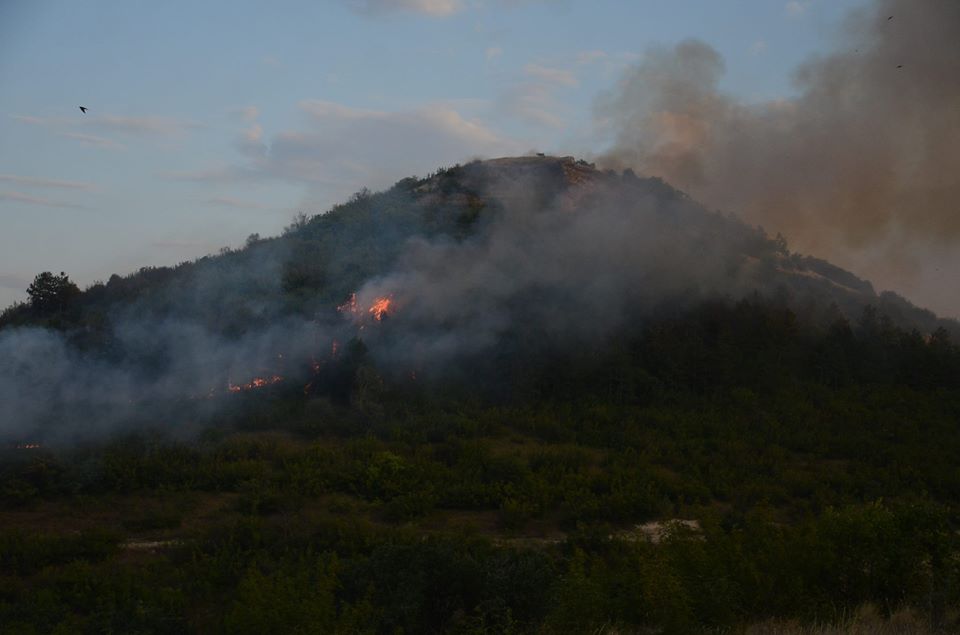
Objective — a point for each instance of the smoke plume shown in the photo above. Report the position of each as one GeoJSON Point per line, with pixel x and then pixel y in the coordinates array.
{"type": "Point", "coordinates": [860, 167]}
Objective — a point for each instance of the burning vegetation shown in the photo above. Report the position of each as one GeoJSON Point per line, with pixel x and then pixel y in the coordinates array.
{"type": "Point", "coordinates": [378, 309]}
{"type": "Point", "coordinates": [253, 384]}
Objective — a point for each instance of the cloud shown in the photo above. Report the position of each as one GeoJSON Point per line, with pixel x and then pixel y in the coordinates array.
{"type": "Point", "coordinates": [40, 182]}
{"type": "Point", "coordinates": [549, 75]}
{"type": "Point", "coordinates": [796, 8]}
{"type": "Point", "coordinates": [246, 113]}
{"type": "Point", "coordinates": [229, 201]}
{"type": "Point", "coordinates": [209, 175]}
{"type": "Point", "coordinates": [533, 97]}
{"type": "Point", "coordinates": [141, 125]}
{"type": "Point", "coordinates": [19, 197]}
{"type": "Point", "coordinates": [94, 140]}
{"type": "Point", "coordinates": [373, 148]}
{"type": "Point", "coordinates": [341, 149]}
{"type": "Point", "coordinates": [33, 121]}
{"type": "Point", "coordinates": [147, 125]}
{"type": "Point", "coordinates": [432, 8]}
{"type": "Point", "coordinates": [493, 52]}
{"type": "Point", "coordinates": [251, 141]}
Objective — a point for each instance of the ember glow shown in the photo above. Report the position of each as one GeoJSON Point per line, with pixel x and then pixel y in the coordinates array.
{"type": "Point", "coordinates": [350, 306]}
{"type": "Point", "coordinates": [253, 384]}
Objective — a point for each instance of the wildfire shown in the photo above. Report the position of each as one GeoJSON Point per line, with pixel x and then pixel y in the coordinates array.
{"type": "Point", "coordinates": [379, 308]}
{"type": "Point", "coordinates": [253, 384]}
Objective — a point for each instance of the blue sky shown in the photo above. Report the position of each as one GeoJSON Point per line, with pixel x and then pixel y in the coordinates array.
{"type": "Point", "coordinates": [211, 121]}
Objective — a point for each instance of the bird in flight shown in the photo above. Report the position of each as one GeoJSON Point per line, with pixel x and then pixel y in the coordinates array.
{"type": "Point", "coordinates": [83, 109]}
{"type": "Point", "coordinates": [890, 18]}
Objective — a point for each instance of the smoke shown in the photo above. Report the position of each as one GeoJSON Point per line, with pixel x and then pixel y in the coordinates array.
{"type": "Point", "coordinates": [164, 359]}
{"type": "Point", "coordinates": [860, 167]}
{"type": "Point", "coordinates": [566, 272]}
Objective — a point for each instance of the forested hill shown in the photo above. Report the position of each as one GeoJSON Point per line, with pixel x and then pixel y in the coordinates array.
{"type": "Point", "coordinates": [482, 275]}
{"type": "Point", "coordinates": [319, 260]}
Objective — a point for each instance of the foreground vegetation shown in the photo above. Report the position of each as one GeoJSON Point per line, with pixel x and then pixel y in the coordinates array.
{"type": "Point", "coordinates": [817, 463]}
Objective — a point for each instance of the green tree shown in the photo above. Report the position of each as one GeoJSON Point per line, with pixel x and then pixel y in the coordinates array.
{"type": "Point", "coordinates": [51, 294]}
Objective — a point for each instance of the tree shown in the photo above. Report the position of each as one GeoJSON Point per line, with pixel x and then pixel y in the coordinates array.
{"type": "Point", "coordinates": [50, 294]}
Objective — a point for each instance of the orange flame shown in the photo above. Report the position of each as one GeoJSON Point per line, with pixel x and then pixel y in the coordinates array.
{"type": "Point", "coordinates": [253, 384]}
{"type": "Point", "coordinates": [379, 308]}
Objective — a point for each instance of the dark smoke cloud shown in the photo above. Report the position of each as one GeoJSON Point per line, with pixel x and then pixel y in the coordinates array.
{"type": "Point", "coordinates": [860, 167]}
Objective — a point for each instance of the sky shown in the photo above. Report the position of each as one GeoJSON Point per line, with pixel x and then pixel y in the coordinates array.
{"type": "Point", "coordinates": [211, 121]}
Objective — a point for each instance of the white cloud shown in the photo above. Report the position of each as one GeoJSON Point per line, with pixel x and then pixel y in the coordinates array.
{"type": "Point", "coordinates": [94, 140]}
{"type": "Point", "coordinates": [20, 197]}
{"type": "Point", "coordinates": [141, 125]}
{"type": "Point", "coordinates": [533, 97]}
{"type": "Point", "coordinates": [374, 148]}
{"type": "Point", "coordinates": [433, 8]}
{"type": "Point", "coordinates": [41, 182]}
{"type": "Point", "coordinates": [341, 149]}
{"type": "Point", "coordinates": [549, 75]}
{"type": "Point", "coordinates": [230, 201]}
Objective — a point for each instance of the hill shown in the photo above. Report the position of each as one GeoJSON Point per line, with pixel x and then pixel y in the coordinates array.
{"type": "Point", "coordinates": [477, 402]}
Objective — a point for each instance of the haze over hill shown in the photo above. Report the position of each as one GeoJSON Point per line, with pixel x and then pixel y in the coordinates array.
{"type": "Point", "coordinates": [860, 166]}
{"type": "Point", "coordinates": [501, 257]}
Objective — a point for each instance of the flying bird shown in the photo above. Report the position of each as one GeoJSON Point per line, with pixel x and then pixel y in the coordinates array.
{"type": "Point", "coordinates": [899, 65]}
{"type": "Point", "coordinates": [890, 18]}
{"type": "Point", "coordinates": [83, 109]}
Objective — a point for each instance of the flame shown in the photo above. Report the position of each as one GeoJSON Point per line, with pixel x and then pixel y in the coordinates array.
{"type": "Point", "coordinates": [379, 308]}
{"type": "Point", "coordinates": [27, 446]}
{"type": "Point", "coordinates": [253, 384]}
